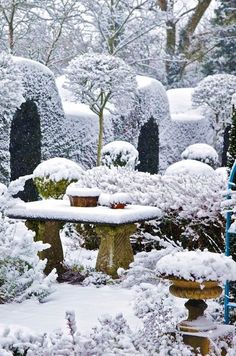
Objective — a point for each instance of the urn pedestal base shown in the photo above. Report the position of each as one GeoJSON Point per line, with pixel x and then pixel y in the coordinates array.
{"type": "Point", "coordinates": [210, 342]}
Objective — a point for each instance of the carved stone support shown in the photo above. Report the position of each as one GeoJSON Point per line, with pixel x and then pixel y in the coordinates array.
{"type": "Point", "coordinates": [115, 249]}
{"type": "Point", "coordinates": [49, 232]}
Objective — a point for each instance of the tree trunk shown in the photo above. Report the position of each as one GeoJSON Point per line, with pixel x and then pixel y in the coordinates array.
{"type": "Point", "coordinates": [100, 137]}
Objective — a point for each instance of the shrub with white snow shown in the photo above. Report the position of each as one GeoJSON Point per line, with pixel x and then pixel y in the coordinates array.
{"type": "Point", "coordinates": [119, 154]}
{"type": "Point", "coordinates": [21, 270]}
{"type": "Point", "coordinates": [198, 266]}
{"type": "Point", "coordinates": [189, 167]}
{"type": "Point", "coordinates": [201, 152]}
{"type": "Point", "coordinates": [52, 177]}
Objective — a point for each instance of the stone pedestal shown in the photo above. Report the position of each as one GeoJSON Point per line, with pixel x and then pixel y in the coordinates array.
{"type": "Point", "coordinates": [211, 342]}
{"type": "Point", "coordinates": [49, 232]}
{"type": "Point", "coordinates": [115, 248]}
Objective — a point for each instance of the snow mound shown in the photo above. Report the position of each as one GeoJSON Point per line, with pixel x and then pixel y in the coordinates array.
{"type": "Point", "coordinates": [75, 190]}
{"type": "Point", "coordinates": [189, 167]}
{"type": "Point", "coordinates": [201, 152]}
{"type": "Point", "coordinates": [58, 168]}
{"type": "Point", "coordinates": [197, 265]}
{"type": "Point", "coordinates": [119, 153]}
{"type": "Point", "coordinates": [109, 199]}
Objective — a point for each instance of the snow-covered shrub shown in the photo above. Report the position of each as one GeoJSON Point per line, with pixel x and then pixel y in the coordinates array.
{"type": "Point", "coordinates": [203, 153]}
{"type": "Point", "coordinates": [11, 91]}
{"type": "Point", "coordinates": [190, 204]}
{"type": "Point", "coordinates": [190, 167]}
{"type": "Point", "coordinates": [119, 154]}
{"type": "Point", "coordinates": [197, 266]}
{"type": "Point", "coordinates": [214, 95]}
{"type": "Point", "coordinates": [53, 176]}
{"type": "Point", "coordinates": [21, 270]}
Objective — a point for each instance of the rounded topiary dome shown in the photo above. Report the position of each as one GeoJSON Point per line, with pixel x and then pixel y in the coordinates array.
{"type": "Point", "coordinates": [189, 167]}
{"type": "Point", "coordinates": [119, 154]}
{"type": "Point", "coordinates": [203, 153]}
{"type": "Point", "coordinates": [53, 176]}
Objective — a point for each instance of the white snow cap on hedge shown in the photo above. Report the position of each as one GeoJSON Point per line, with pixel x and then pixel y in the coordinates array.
{"type": "Point", "coordinates": [189, 167]}
{"type": "Point", "coordinates": [76, 190]}
{"type": "Point", "coordinates": [197, 265]}
{"type": "Point", "coordinates": [123, 151]}
{"type": "Point", "coordinates": [201, 152]}
{"type": "Point", "coordinates": [57, 169]}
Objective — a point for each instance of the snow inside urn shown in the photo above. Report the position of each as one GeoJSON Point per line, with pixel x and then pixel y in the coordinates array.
{"type": "Point", "coordinates": [115, 201]}
{"type": "Point", "coordinates": [197, 266]}
{"type": "Point", "coordinates": [82, 197]}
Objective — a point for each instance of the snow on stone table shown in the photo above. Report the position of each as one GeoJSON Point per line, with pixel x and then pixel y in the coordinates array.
{"type": "Point", "coordinates": [113, 226]}
{"type": "Point", "coordinates": [88, 303]}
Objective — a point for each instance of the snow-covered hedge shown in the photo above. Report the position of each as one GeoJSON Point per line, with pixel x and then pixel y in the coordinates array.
{"type": "Point", "coordinates": [11, 97]}
{"type": "Point", "coordinates": [201, 152]}
{"type": "Point", "coordinates": [197, 266]}
{"type": "Point", "coordinates": [53, 176]}
{"type": "Point", "coordinates": [119, 154]}
{"type": "Point", "coordinates": [189, 195]}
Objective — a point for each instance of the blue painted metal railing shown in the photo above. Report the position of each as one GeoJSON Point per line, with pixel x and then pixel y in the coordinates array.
{"type": "Point", "coordinates": [228, 236]}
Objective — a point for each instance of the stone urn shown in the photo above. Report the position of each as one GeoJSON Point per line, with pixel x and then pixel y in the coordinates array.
{"type": "Point", "coordinates": [196, 293]}
{"type": "Point", "coordinates": [82, 197]}
{"type": "Point", "coordinates": [196, 276]}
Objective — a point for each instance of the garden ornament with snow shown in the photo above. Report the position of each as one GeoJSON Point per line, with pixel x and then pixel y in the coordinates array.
{"type": "Point", "coordinates": [197, 276]}
{"type": "Point", "coordinates": [82, 197]}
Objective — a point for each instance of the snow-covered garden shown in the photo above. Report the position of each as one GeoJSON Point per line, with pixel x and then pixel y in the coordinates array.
{"type": "Point", "coordinates": [117, 178]}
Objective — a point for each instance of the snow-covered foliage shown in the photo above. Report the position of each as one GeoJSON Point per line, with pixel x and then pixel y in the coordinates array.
{"type": "Point", "coordinates": [53, 176]}
{"type": "Point", "coordinates": [189, 195]}
{"type": "Point", "coordinates": [102, 82]}
{"type": "Point", "coordinates": [58, 168]}
{"type": "Point", "coordinates": [40, 87]}
{"type": "Point", "coordinates": [203, 153]}
{"type": "Point", "coordinates": [94, 77]}
{"type": "Point", "coordinates": [21, 270]}
{"type": "Point", "coordinates": [190, 167]}
{"type": "Point", "coordinates": [112, 336]}
{"type": "Point", "coordinates": [119, 154]}
{"type": "Point", "coordinates": [214, 95]}
{"type": "Point", "coordinates": [198, 266]}
{"type": "Point", "coordinates": [11, 97]}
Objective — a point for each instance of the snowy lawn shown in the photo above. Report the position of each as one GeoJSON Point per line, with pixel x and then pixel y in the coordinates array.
{"type": "Point", "coordinates": [88, 303]}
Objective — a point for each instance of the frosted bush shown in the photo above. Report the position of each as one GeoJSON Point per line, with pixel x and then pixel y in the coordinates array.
{"type": "Point", "coordinates": [21, 270]}
{"type": "Point", "coordinates": [119, 154]}
{"type": "Point", "coordinates": [201, 152]}
{"type": "Point", "coordinates": [53, 176]}
{"type": "Point", "coordinates": [190, 167]}
{"type": "Point", "coordinates": [191, 196]}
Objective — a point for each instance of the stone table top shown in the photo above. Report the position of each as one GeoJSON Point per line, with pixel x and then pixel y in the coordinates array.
{"type": "Point", "coordinates": [60, 210]}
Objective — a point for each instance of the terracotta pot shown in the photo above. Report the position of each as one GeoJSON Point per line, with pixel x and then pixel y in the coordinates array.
{"type": "Point", "coordinates": [118, 206]}
{"type": "Point", "coordinates": [83, 201]}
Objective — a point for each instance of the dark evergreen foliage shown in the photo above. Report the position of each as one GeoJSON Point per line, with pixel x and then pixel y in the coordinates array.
{"type": "Point", "coordinates": [222, 58]}
{"type": "Point", "coordinates": [148, 147]}
{"type": "Point", "coordinates": [231, 156]}
{"type": "Point", "coordinates": [25, 146]}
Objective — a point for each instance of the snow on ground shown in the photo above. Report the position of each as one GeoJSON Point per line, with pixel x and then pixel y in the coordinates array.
{"type": "Point", "coordinates": [88, 303]}
{"type": "Point", "coordinates": [181, 105]}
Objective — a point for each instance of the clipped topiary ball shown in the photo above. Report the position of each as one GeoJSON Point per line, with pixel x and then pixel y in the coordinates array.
{"type": "Point", "coordinates": [119, 154]}
{"type": "Point", "coordinates": [203, 153]}
{"type": "Point", "coordinates": [53, 176]}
